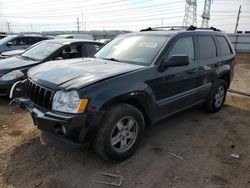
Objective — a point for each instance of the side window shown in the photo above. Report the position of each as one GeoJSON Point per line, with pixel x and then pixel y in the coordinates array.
{"type": "Point", "coordinates": [71, 51]}
{"type": "Point", "coordinates": [21, 41]}
{"type": "Point", "coordinates": [207, 47]}
{"type": "Point", "coordinates": [91, 48]}
{"type": "Point", "coordinates": [32, 40]}
{"type": "Point", "coordinates": [38, 39]}
{"type": "Point", "coordinates": [224, 46]}
{"type": "Point", "coordinates": [185, 46]}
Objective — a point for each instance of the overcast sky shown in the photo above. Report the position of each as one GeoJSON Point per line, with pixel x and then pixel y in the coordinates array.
{"type": "Point", "coordinates": [48, 15]}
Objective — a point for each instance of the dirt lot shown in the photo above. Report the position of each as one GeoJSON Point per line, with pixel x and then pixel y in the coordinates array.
{"type": "Point", "coordinates": [205, 141]}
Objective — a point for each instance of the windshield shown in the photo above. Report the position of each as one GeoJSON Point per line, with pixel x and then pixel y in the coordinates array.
{"type": "Point", "coordinates": [7, 39]}
{"type": "Point", "coordinates": [42, 50]}
{"type": "Point", "coordinates": [134, 49]}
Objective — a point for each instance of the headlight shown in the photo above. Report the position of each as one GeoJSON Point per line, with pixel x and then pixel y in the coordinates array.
{"type": "Point", "coordinates": [12, 75]}
{"type": "Point", "coordinates": [68, 102]}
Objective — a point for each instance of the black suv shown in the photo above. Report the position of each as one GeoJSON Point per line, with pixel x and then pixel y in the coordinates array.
{"type": "Point", "coordinates": [136, 79]}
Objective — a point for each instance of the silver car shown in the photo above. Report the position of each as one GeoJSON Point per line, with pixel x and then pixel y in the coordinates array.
{"type": "Point", "coordinates": [14, 42]}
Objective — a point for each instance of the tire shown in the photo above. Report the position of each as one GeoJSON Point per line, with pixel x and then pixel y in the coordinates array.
{"type": "Point", "coordinates": [120, 133]}
{"type": "Point", "coordinates": [217, 97]}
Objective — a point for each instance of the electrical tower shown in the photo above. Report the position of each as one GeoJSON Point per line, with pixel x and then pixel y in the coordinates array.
{"type": "Point", "coordinates": [190, 13]}
{"type": "Point", "coordinates": [206, 14]}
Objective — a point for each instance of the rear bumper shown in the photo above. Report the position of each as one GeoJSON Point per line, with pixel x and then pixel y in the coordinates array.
{"type": "Point", "coordinates": [72, 128]}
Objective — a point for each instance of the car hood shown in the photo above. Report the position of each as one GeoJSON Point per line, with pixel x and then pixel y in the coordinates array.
{"type": "Point", "coordinates": [14, 63]}
{"type": "Point", "coordinates": [77, 73]}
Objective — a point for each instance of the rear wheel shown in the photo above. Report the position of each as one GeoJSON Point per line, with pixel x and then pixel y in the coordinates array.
{"type": "Point", "coordinates": [121, 132]}
{"type": "Point", "coordinates": [217, 96]}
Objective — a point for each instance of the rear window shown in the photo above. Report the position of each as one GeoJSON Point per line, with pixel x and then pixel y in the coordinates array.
{"type": "Point", "coordinates": [207, 47]}
{"type": "Point", "coordinates": [224, 46]}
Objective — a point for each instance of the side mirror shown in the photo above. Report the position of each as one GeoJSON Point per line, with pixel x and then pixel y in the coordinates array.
{"type": "Point", "coordinates": [9, 44]}
{"type": "Point", "coordinates": [175, 61]}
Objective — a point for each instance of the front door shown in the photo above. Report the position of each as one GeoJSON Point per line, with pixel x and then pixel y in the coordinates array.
{"type": "Point", "coordinates": [177, 85]}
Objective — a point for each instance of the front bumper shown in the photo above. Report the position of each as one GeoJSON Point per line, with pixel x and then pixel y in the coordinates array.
{"type": "Point", "coordinates": [72, 128]}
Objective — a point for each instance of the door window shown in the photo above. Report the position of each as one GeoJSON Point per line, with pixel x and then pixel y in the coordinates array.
{"type": "Point", "coordinates": [71, 51]}
{"type": "Point", "coordinates": [184, 46]}
{"type": "Point", "coordinates": [207, 47]}
{"type": "Point", "coordinates": [224, 47]}
{"type": "Point", "coordinates": [21, 41]}
{"type": "Point", "coordinates": [91, 48]}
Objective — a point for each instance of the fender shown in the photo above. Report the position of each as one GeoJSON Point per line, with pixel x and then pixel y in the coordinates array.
{"type": "Point", "coordinates": [222, 70]}
{"type": "Point", "coordinates": [139, 91]}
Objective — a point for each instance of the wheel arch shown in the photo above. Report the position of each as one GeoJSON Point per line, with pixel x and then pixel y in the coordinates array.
{"type": "Point", "coordinates": [140, 100]}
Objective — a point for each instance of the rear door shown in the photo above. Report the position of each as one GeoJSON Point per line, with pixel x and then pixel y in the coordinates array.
{"type": "Point", "coordinates": [177, 85]}
{"type": "Point", "coordinates": [208, 60]}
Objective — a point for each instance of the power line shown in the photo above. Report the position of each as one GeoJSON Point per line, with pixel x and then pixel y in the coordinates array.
{"type": "Point", "coordinates": [97, 9]}
{"type": "Point", "coordinates": [161, 10]}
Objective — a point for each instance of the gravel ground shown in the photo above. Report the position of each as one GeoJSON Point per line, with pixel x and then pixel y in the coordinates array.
{"type": "Point", "coordinates": [204, 141]}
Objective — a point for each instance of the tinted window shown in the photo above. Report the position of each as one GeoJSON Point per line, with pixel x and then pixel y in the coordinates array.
{"type": "Point", "coordinates": [184, 46]}
{"type": "Point", "coordinates": [207, 47]}
{"type": "Point", "coordinates": [91, 48]}
{"type": "Point", "coordinates": [71, 51]}
{"type": "Point", "coordinates": [224, 47]}
{"type": "Point", "coordinates": [21, 41]}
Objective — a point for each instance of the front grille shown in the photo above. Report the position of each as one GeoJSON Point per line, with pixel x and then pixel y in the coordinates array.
{"type": "Point", "coordinates": [38, 94]}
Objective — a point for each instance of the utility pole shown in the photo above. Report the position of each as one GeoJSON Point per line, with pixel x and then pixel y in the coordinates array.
{"type": "Point", "coordinates": [237, 21]}
{"type": "Point", "coordinates": [206, 14]}
{"type": "Point", "coordinates": [162, 20]}
{"type": "Point", "coordinates": [78, 25]}
{"type": "Point", "coordinates": [31, 28]}
{"type": "Point", "coordinates": [82, 22]}
{"type": "Point", "coordinates": [190, 13]}
{"type": "Point", "coordinates": [8, 26]}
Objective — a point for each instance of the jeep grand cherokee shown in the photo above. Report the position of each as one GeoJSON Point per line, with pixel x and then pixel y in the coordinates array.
{"type": "Point", "coordinates": [136, 79]}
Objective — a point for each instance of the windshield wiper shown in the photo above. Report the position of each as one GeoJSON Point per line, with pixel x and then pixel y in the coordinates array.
{"type": "Point", "coordinates": [112, 59]}
{"type": "Point", "coordinates": [27, 57]}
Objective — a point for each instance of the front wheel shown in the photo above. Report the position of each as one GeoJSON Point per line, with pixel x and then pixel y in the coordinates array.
{"type": "Point", "coordinates": [217, 97]}
{"type": "Point", "coordinates": [120, 133]}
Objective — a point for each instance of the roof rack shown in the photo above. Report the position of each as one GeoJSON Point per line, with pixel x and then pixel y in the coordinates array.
{"type": "Point", "coordinates": [165, 27]}
{"type": "Point", "coordinates": [203, 28]}
{"type": "Point", "coordinates": [178, 28]}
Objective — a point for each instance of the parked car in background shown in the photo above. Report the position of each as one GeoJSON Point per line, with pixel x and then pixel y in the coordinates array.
{"type": "Point", "coordinates": [104, 40]}
{"type": "Point", "coordinates": [75, 36]}
{"type": "Point", "coordinates": [11, 53]}
{"type": "Point", "coordinates": [2, 36]}
{"type": "Point", "coordinates": [15, 68]}
{"type": "Point", "coordinates": [14, 42]}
